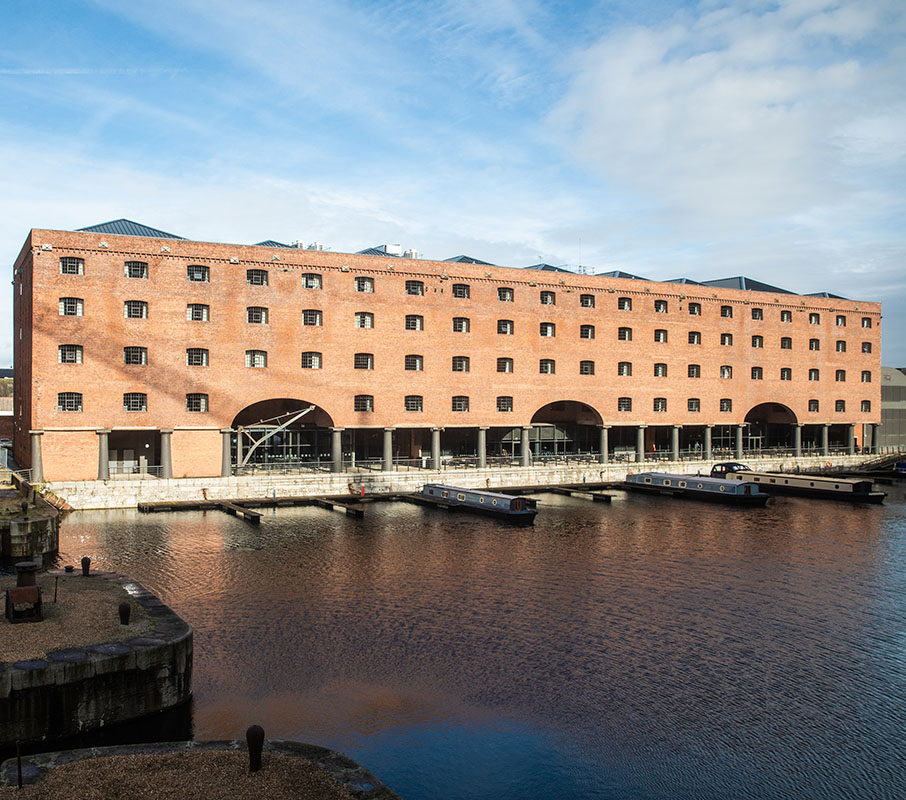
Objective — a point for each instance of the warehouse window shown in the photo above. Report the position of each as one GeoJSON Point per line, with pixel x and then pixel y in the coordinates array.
{"type": "Point", "coordinates": [256, 358]}
{"type": "Point", "coordinates": [256, 315]}
{"type": "Point", "coordinates": [135, 401]}
{"type": "Point", "coordinates": [504, 364]}
{"type": "Point", "coordinates": [694, 404]}
{"type": "Point", "coordinates": [460, 403]}
{"type": "Point", "coordinates": [547, 366]}
{"type": "Point", "coordinates": [786, 316]}
{"type": "Point", "coordinates": [814, 375]}
{"type": "Point", "coordinates": [586, 367]}
{"type": "Point", "coordinates": [786, 374]}
{"type": "Point", "coordinates": [660, 306]}
{"type": "Point", "coordinates": [135, 269]}
{"type": "Point", "coordinates": [726, 371]}
{"type": "Point", "coordinates": [757, 373]}
{"type": "Point", "coordinates": [866, 376]}
{"type": "Point", "coordinates": [364, 284]}
{"type": "Point", "coordinates": [363, 402]}
{"type": "Point", "coordinates": [840, 376]}
{"type": "Point", "coordinates": [660, 404]}
{"type": "Point", "coordinates": [660, 335]}
{"type": "Point", "coordinates": [548, 329]}
{"type": "Point", "coordinates": [135, 355]}
{"type": "Point", "coordinates": [506, 327]}
{"type": "Point", "coordinates": [726, 339]}
{"type": "Point", "coordinates": [840, 346]}
{"type": "Point", "coordinates": [586, 331]}
{"type": "Point", "coordinates": [548, 298]}
{"type": "Point", "coordinates": [587, 300]}
{"type": "Point", "coordinates": [460, 363]}
{"type": "Point", "coordinates": [813, 406]}
{"type": "Point", "coordinates": [694, 371]}
{"type": "Point", "coordinates": [866, 347]}
{"type": "Point", "coordinates": [660, 370]}
{"type": "Point", "coordinates": [135, 309]}
{"type": "Point", "coordinates": [814, 344]}
{"type": "Point", "coordinates": [866, 322]}
{"type": "Point", "coordinates": [71, 306]}
{"type": "Point", "coordinates": [726, 404]}
{"type": "Point", "coordinates": [786, 343]}
{"type": "Point", "coordinates": [461, 324]}
{"type": "Point", "coordinates": [413, 402]}
{"type": "Point", "coordinates": [415, 322]}
{"type": "Point", "coordinates": [814, 319]}
{"type": "Point", "coordinates": [624, 304]}
{"type": "Point", "coordinates": [256, 277]}
{"type": "Point", "coordinates": [839, 406]}
{"type": "Point", "coordinates": [461, 290]}
{"type": "Point", "coordinates": [415, 288]}
{"type": "Point", "coordinates": [414, 363]}
{"type": "Point", "coordinates": [624, 368]}
{"type": "Point", "coordinates": [69, 354]}
{"type": "Point", "coordinates": [841, 321]}
{"type": "Point", "coordinates": [695, 309]}
{"type": "Point", "coordinates": [198, 273]}
{"type": "Point", "coordinates": [72, 266]}
{"type": "Point", "coordinates": [757, 313]}
{"type": "Point", "coordinates": [505, 403]}
{"type": "Point", "coordinates": [364, 319]}
{"type": "Point", "coordinates": [363, 361]}
{"type": "Point", "coordinates": [197, 402]}
{"type": "Point", "coordinates": [624, 404]}
{"type": "Point", "coordinates": [757, 341]}
{"type": "Point", "coordinates": [624, 334]}
{"type": "Point", "coordinates": [311, 280]}
{"type": "Point", "coordinates": [312, 317]}
{"type": "Point", "coordinates": [69, 401]}
{"type": "Point", "coordinates": [196, 357]}
{"type": "Point", "coordinates": [505, 294]}
{"type": "Point", "coordinates": [726, 311]}
{"type": "Point", "coordinates": [695, 337]}
{"type": "Point", "coordinates": [197, 312]}
{"type": "Point", "coordinates": [311, 359]}
{"type": "Point", "coordinates": [866, 406]}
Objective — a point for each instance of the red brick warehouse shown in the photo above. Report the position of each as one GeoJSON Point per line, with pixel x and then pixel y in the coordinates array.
{"type": "Point", "coordinates": [138, 350]}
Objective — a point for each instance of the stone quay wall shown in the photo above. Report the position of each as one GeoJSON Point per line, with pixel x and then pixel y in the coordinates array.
{"type": "Point", "coordinates": [129, 492]}
{"type": "Point", "coordinates": [78, 689]}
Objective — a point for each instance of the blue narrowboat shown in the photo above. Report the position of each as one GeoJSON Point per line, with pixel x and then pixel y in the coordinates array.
{"type": "Point", "coordinates": [697, 487]}
{"type": "Point", "coordinates": [804, 485]}
{"type": "Point", "coordinates": [521, 510]}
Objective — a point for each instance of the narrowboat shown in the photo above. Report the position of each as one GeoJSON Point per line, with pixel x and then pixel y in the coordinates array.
{"type": "Point", "coordinates": [698, 487]}
{"type": "Point", "coordinates": [817, 486]}
{"type": "Point", "coordinates": [521, 510]}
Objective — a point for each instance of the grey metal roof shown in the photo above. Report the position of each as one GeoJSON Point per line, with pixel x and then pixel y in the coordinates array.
{"type": "Point", "coordinates": [746, 284]}
{"type": "Point", "coordinates": [827, 295]}
{"type": "Point", "coordinates": [270, 243]}
{"type": "Point", "coordinates": [126, 227]}
{"type": "Point", "coordinates": [375, 251]}
{"type": "Point", "coordinates": [548, 268]}
{"type": "Point", "coordinates": [683, 280]}
{"type": "Point", "coordinates": [468, 260]}
{"type": "Point", "coordinates": [617, 273]}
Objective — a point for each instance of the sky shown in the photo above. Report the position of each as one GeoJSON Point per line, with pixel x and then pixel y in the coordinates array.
{"type": "Point", "coordinates": [665, 139]}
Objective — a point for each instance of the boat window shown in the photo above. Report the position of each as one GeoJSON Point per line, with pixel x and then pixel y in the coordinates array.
{"type": "Point", "coordinates": [723, 488]}
{"type": "Point", "coordinates": [647, 480]}
{"type": "Point", "coordinates": [494, 501]}
{"type": "Point", "coordinates": [430, 491]}
{"type": "Point", "coordinates": [443, 494]}
{"type": "Point", "coordinates": [460, 497]}
{"type": "Point", "coordinates": [682, 484]}
{"type": "Point", "coordinates": [516, 505]}
{"type": "Point", "coordinates": [700, 486]}
{"type": "Point", "coordinates": [480, 499]}
{"type": "Point", "coordinates": [666, 482]}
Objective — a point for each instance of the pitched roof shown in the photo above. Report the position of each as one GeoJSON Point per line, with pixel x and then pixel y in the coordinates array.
{"type": "Point", "coordinates": [270, 243]}
{"type": "Point", "coordinates": [126, 227]}
{"type": "Point", "coordinates": [683, 280]}
{"type": "Point", "coordinates": [617, 273]}
{"type": "Point", "coordinates": [548, 268]}
{"type": "Point", "coordinates": [469, 260]}
{"type": "Point", "coordinates": [376, 251]}
{"type": "Point", "coordinates": [827, 295]}
{"type": "Point", "coordinates": [746, 284]}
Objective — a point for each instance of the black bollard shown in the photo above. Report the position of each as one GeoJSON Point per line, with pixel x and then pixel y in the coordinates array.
{"type": "Point", "coordinates": [255, 738]}
{"type": "Point", "coordinates": [69, 568]}
{"type": "Point", "coordinates": [86, 565]}
{"type": "Point", "coordinates": [125, 610]}
{"type": "Point", "coordinates": [24, 508]}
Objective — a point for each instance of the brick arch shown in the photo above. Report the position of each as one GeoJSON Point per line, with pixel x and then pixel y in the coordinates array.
{"type": "Point", "coordinates": [274, 408]}
{"type": "Point", "coordinates": [771, 413]}
{"type": "Point", "coordinates": [567, 411]}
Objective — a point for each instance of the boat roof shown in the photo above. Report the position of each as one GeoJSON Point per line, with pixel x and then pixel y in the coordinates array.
{"type": "Point", "coordinates": [675, 476]}
{"type": "Point", "coordinates": [483, 492]}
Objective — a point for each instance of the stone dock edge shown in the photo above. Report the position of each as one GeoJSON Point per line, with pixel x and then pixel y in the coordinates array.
{"type": "Point", "coordinates": [342, 769]}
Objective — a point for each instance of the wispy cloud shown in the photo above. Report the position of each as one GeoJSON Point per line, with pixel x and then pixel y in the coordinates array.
{"type": "Point", "coordinates": [130, 71]}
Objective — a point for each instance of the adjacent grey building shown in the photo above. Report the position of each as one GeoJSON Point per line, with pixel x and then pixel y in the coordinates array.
{"type": "Point", "coordinates": [892, 432]}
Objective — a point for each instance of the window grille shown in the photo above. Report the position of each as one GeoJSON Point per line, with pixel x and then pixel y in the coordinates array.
{"type": "Point", "coordinates": [413, 402]}
{"type": "Point", "coordinates": [505, 403]}
{"type": "Point", "coordinates": [364, 284]}
{"type": "Point", "coordinates": [504, 364]}
{"type": "Point", "coordinates": [363, 361]}
{"type": "Point", "coordinates": [198, 273]}
{"type": "Point", "coordinates": [135, 309]}
{"type": "Point", "coordinates": [311, 359]}
{"type": "Point", "coordinates": [311, 317]}
{"type": "Point", "coordinates": [415, 288]}
{"type": "Point", "coordinates": [197, 402]}
{"type": "Point", "coordinates": [256, 277]}
{"type": "Point", "coordinates": [69, 401]}
{"type": "Point", "coordinates": [256, 359]}
{"type": "Point", "coordinates": [135, 401]}
{"type": "Point", "coordinates": [71, 306]}
{"type": "Point", "coordinates": [256, 315]}
{"type": "Point", "coordinates": [414, 363]}
{"type": "Point", "coordinates": [197, 312]}
{"type": "Point", "coordinates": [461, 290]}
{"type": "Point", "coordinates": [311, 280]}
{"type": "Point", "coordinates": [364, 319]}
{"type": "Point", "coordinates": [69, 354]}
{"type": "Point", "coordinates": [415, 322]}
{"type": "Point", "coordinates": [135, 355]}
{"type": "Point", "coordinates": [72, 266]}
{"type": "Point", "coordinates": [460, 403]}
{"type": "Point", "coordinates": [135, 269]}
{"type": "Point", "coordinates": [363, 402]}
{"type": "Point", "coordinates": [196, 357]}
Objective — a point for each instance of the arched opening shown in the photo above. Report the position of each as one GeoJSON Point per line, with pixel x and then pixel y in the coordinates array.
{"type": "Point", "coordinates": [281, 433]}
{"type": "Point", "coordinates": [564, 428]}
{"type": "Point", "coordinates": [769, 426]}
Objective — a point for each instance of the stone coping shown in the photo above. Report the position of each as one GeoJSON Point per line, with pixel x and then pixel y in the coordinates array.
{"type": "Point", "coordinates": [167, 627]}
{"type": "Point", "coordinates": [342, 769]}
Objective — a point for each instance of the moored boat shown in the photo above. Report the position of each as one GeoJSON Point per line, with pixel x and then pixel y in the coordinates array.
{"type": "Point", "coordinates": [521, 510]}
{"type": "Point", "coordinates": [816, 486]}
{"type": "Point", "coordinates": [697, 487]}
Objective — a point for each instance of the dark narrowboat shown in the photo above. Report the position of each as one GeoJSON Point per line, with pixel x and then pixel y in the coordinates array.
{"type": "Point", "coordinates": [803, 485]}
{"type": "Point", "coordinates": [697, 487]}
{"type": "Point", "coordinates": [521, 510]}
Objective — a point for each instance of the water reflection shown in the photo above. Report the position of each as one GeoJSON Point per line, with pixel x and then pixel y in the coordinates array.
{"type": "Point", "coordinates": [647, 649]}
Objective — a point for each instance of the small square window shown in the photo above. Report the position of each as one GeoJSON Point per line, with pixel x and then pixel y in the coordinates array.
{"type": "Point", "coordinates": [311, 280]}
{"type": "Point", "coordinates": [135, 309]}
{"type": "Point", "coordinates": [814, 344]}
{"type": "Point", "coordinates": [197, 312]}
{"type": "Point", "coordinates": [363, 402]}
{"type": "Point", "coordinates": [840, 376]}
{"type": "Point", "coordinates": [866, 406]}
{"type": "Point", "coordinates": [505, 403]}
{"type": "Point", "coordinates": [198, 273]}
{"type": "Point", "coordinates": [866, 322]}
{"type": "Point", "coordinates": [72, 266]}
{"type": "Point", "coordinates": [660, 306]}
{"type": "Point", "coordinates": [624, 304]}
{"type": "Point", "coordinates": [695, 309]}
{"type": "Point", "coordinates": [786, 316]}
{"type": "Point", "coordinates": [757, 373]}
{"type": "Point", "coordinates": [839, 406]}
{"type": "Point", "coordinates": [547, 366]}
{"type": "Point", "coordinates": [660, 335]}
{"type": "Point", "coordinates": [866, 347]}
{"type": "Point", "coordinates": [660, 404]}
{"type": "Point", "coordinates": [726, 404]}
{"type": "Point", "coordinates": [586, 367]}
{"type": "Point", "coordinates": [71, 306]}
{"type": "Point", "coordinates": [135, 355]}
{"type": "Point", "coordinates": [840, 346]}
{"type": "Point", "coordinates": [461, 324]}
{"type": "Point", "coordinates": [548, 329]}
{"type": "Point", "coordinates": [135, 269]}
{"type": "Point", "coordinates": [624, 369]}
{"type": "Point", "coordinates": [416, 288]}
{"type": "Point", "coordinates": [695, 371]}
{"type": "Point", "coordinates": [813, 406]}
{"type": "Point", "coordinates": [505, 327]}
{"type": "Point", "coordinates": [726, 339]}
{"type": "Point", "coordinates": [866, 376]}
{"type": "Point", "coordinates": [586, 331]}
{"type": "Point", "coordinates": [587, 300]}
{"type": "Point", "coordinates": [460, 363]}
{"type": "Point", "coordinates": [504, 364]}
{"type": "Point", "coordinates": [363, 361]}
{"type": "Point", "coordinates": [69, 354]}
{"type": "Point", "coordinates": [256, 359]}
{"type": "Point", "coordinates": [726, 311]}
{"type": "Point", "coordinates": [786, 374]}
{"type": "Point", "coordinates": [695, 337]}
{"type": "Point", "coordinates": [312, 317]}
{"type": "Point", "coordinates": [256, 315]}
{"type": "Point", "coordinates": [311, 359]}
{"type": "Point", "coordinates": [505, 294]}
{"type": "Point", "coordinates": [460, 403]}
{"type": "Point", "coordinates": [364, 319]}
{"type": "Point", "coordinates": [757, 341]}
{"type": "Point", "coordinates": [757, 313]}
{"type": "Point", "coordinates": [548, 298]}
{"type": "Point", "coordinates": [624, 334]}
{"type": "Point", "coordinates": [726, 371]}
{"type": "Point", "coordinates": [660, 370]}
{"type": "Point", "coordinates": [814, 319]}
{"type": "Point", "coordinates": [694, 405]}
{"type": "Point", "coordinates": [197, 403]}
{"type": "Point", "coordinates": [135, 401]}
{"type": "Point", "coordinates": [414, 322]}
{"type": "Point", "coordinates": [814, 375]}
{"type": "Point", "coordinates": [786, 343]}
{"type": "Point", "coordinates": [69, 401]}
{"type": "Point", "coordinates": [364, 284]}
{"type": "Point", "coordinates": [841, 321]}
{"type": "Point", "coordinates": [413, 402]}
{"type": "Point", "coordinates": [461, 290]}
{"type": "Point", "coordinates": [624, 404]}
{"type": "Point", "coordinates": [414, 363]}
{"type": "Point", "coordinates": [256, 277]}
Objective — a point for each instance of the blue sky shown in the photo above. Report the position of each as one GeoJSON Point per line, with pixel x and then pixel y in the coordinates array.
{"type": "Point", "coordinates": [704, 139]}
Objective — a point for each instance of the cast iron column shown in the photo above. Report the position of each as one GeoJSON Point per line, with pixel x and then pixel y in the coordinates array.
{"type": "Point", "coordinates": [825, 445]}
{"type": "Point", "coordinates": [336, 449]}
{"type": "Point", "coordinates": [706, 450]}
{"type": "Point", "coordinates": [226, 467]}
{"type": "Point", "coordinates": [166, 462]}
{"type": "Point", "coordinates": [851, 439]}
{"type": "Point", "coordinates": [874, 438]}
{"type": "Point", "coordinates": [739, 442]}
{"type": "Point", "coordinates": [482, 448]}
{"type": "Point", "coordinates": [435, 448]}
{"type": "Point", "coordinates": [603, 444]}
{"type": "Point", "coordinates": [103, 455]}
{"type": "Point", "coordinates": [674, 441]}
{"type": "Point", "coordinates": [640, 444]}
{"type": "Point", "coordinates": [37, 465]}
{"type": "Point", "coordinates": [797, 439]}
{"type": "Point", "coordinates": [388, 449]}
{"type": "Point", "coordinates": [526, 447]}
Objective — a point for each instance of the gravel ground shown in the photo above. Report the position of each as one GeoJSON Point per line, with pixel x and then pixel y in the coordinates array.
{"type": "Point", "coordinates": [86, 612]}
{"type": "Point", "coordinates": [212, 775]}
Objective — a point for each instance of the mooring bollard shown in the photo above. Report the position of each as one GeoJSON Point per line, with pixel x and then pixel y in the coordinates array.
{"type": "Point", "coordinates": [86, 565]}
{"type": "Point", "coordinates": [125, 610]}
{"type": "Point", "coordinates": [24, 505]}
{"type": "Point", "coordinates": [68, 568]}
{"type": "Point", "coordinates": [255, 738]}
